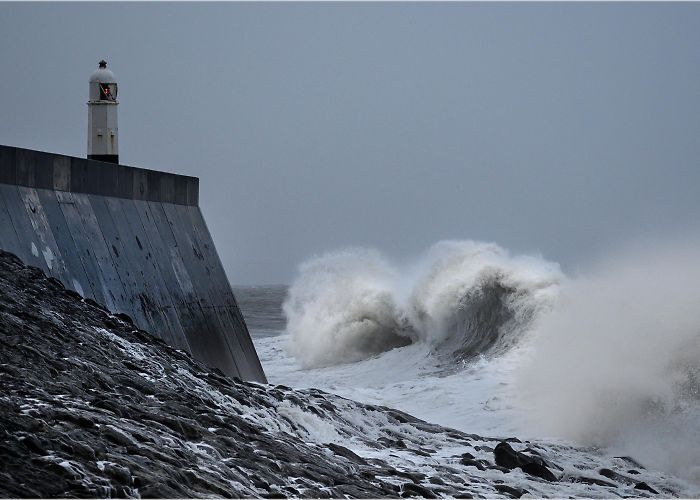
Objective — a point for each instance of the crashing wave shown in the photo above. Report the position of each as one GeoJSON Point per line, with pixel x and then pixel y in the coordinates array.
{"type": "Point", "coordinates": [462, 299]}
{"type": "Point", "coordinates": [341, 308]}
{"type": "Point", "coordinates": [608, 358]}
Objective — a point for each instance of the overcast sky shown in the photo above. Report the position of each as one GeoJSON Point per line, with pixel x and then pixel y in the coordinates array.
{"type": "Point", "coordinates": [562, 129]}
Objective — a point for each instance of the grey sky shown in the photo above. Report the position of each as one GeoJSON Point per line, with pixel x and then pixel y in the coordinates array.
{"type": "Point", "coordinates": [553, 128]}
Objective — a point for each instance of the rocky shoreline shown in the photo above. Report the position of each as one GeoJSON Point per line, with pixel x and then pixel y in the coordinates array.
{"type": "Point", "coordinates": [91, 406]}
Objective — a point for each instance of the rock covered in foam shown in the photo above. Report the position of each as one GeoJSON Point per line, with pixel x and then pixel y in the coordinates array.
{"type": "Point", "coordinates": [93, 407]}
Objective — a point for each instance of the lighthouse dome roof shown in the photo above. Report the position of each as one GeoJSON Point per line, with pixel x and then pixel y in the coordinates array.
{"type": "Point", "coordinates": [103, 75]}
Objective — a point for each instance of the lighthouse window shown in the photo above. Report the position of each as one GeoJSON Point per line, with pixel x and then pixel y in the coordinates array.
{"type": "Point", "coordinates": [108, 91]}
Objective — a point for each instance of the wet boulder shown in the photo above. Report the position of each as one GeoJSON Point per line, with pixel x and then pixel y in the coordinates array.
{"type": "Point", "coordinates": [507, 457]}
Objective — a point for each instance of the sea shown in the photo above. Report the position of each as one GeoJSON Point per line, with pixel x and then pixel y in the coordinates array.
{"type": "Point", "coordinates": [470, 336]}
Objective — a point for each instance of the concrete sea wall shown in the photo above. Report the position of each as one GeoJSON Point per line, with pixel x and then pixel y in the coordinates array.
{"type": "Point", "coordinates": [131, 239]}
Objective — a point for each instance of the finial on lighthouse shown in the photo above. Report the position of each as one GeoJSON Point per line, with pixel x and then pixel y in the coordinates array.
{"type": "Point", "coordinates": [103, 138]}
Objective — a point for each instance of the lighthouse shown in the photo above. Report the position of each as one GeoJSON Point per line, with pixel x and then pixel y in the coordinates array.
{"type": "Point", "coordinates": [103, 134]}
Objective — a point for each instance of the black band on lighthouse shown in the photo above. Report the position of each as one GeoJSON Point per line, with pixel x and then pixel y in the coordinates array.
{"type": "Point", "coordinates": [105, 158]}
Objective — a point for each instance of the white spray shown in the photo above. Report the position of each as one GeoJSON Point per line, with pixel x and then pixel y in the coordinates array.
{"type": "Point", "coordinates": [348, 305]}
{"type": "Point", "coordinates": [617, 363]}
{"type": "Point", "coordinates": [341, 308]}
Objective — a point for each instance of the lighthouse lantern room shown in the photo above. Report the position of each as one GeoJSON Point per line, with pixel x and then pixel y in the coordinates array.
{"type": "Point", "coordinates": [103, 136]}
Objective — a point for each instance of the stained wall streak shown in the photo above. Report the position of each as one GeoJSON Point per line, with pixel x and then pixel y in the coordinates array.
{"type": "Point", "coordinates": [131, 239]}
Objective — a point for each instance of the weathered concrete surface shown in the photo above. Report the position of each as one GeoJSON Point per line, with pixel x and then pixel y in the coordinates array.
{"type": "Point", "coordinates": [131, 239]}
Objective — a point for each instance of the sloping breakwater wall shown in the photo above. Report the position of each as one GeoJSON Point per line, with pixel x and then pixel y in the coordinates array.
{"type": "Point", "coordinates": [133, 240]}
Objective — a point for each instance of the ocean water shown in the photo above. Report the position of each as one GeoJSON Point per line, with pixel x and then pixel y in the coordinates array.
{"type": "Point", "coordinates": [472, 337]}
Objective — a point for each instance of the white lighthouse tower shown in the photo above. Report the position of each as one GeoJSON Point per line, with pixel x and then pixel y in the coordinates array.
{"type": "Point", "coordinates": [103, 135]}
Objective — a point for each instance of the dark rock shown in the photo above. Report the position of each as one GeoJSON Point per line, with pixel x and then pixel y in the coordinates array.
{"type": "Point", "coordinates": [538, 470]}
{"type": "Point", "coordinates": [111, 322]}
{"type": "Point", "coordinates": [472, 463]}
{"type": "Point", "coordinates": [100, 450]}
{"type": "Point", "coordinates": [125, 318]}
{"type": "Point", "coordinates": [55, 284]}
{"type": "Point", "coordinates": [119, 474]}
{"type": "Point", "coordinates": [159, 490]}
{"type": "Point", "coordinates": [509, 490]}
{"type": "Point", "coordinates": [644, 486]}
{"type": "Point", "coordinates": [106, 404]}
{"type": "Point", "coordinates": [314, 493]}
{"type": "Point", "coordinates": [274, 494]}
{"type": "Point", "coordinates": [507, 457]}
{"type": "Point", "coordinates": [33, 444]}
{"type": "Point", "coordinates": [366, 474]}
{"type": "Point", "coordinates": [416, 490]}
{"type": "Point", "coordinates": [118, 436]}
{"type": "Point", "coordinates": [591, 480]}
{"type": "Point", "coordinates": [76, 418]}
{"type": "Point", "coordinates": [610, 474]}
{"type": "Point", "coordinates": [82, 450]}
{"type": "Point", "coordinates": [416, 477]}
{"type": "Point", "coordinates": [392, 443]}
{"type": "Point", "coordinates": [72, 294]}
{"type": "Point", "coordinates": [345, 452]}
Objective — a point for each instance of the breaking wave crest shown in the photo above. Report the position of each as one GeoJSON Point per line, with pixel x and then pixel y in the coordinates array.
{"type": "Point", "coordinates": [341, 308]}
{"type": "Point", "coordinates": [461, 299]}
